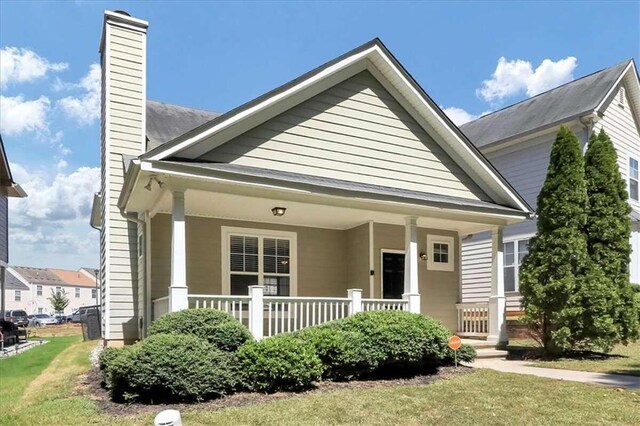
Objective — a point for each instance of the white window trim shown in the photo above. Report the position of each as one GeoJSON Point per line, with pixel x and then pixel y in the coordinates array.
{"type": "Point", "coordinates": [77, 292]}
{"type": "Point", "coordinates": [39, 290]}
{"type": "Point", "coordinates": [516, 239]}
{"type": "Point", "coordinates": [438, 266]}
{"type": "Point", "coordinates": [631, 200]}
{"type": "Point", "coordinates": [17, 297]}
{"type": "Point", "coordinates": [94, 293]}
{"type": "Point", "coordinates": [227, 231]}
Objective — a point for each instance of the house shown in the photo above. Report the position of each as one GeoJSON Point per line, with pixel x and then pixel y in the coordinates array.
{"type": "Point", "coordinates": [346, 189]}
{"type": "Point", "coordinates": [8, 188]}
{"type": "Point", "coordinates": [518, 139]}
{"type": "Point", "coordinates": [30, 288]}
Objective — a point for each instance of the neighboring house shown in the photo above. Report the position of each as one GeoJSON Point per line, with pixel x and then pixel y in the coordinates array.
{"type": "Point", "coordinates": [80, 287]}
{"type": "Point", "coordinates": [347, 181]}
{"type": "Point", "coordinates": [8, 188]}
{"type": "Point", "coordinates": [518, 139]}
{"type": "Point", "coordinates": [16, 290]}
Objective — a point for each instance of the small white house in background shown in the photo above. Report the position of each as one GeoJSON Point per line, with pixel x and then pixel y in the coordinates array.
{"type": "Point", "coordinates": [346, 189]}
{"type": "Point", "coordinates": [30, 288]}
{"type": "Point", "coordinates": [518, 139]}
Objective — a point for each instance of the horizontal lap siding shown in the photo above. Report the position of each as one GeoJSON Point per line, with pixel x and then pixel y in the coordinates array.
{"type": "Point", "coordinates": [123, 113]}
{"type": "Point", "coordinates": [354, 131]}
{"type": "Point", "coordinates": [622, 127]}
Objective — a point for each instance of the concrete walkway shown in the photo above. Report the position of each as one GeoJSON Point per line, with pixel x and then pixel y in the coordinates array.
{"type": "Point", "coordinates": [524, 367]}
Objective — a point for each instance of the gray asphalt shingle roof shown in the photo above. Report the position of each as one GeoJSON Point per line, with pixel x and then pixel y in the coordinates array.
{"type": "Point", "coordinates": [568, 101]}
{"type": "Point", "coordinates": [297, 179]}
{"type": "Point", "coordinates": [13, 283]}
{"type": "Point", "coordinates": [166, 122]}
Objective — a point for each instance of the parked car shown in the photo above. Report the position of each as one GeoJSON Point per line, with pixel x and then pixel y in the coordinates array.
{"type": "Point", "coordinates": [40, 320]}
{"type": "Point", "coordinates": [81, 313]}
{"type": "Point", "coordinates": [18, 317]}
{"type": "Point", "coordinates": [62, 319]}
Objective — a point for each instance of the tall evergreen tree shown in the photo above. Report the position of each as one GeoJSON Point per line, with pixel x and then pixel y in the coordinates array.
{"type": "Point", "coordinates": [558, 257]}
{"type": "Point", "coordinates": [608, 230]}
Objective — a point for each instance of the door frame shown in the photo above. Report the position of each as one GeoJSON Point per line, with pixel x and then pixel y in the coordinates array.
{"type": "Point", "coordinates": [382, 252]}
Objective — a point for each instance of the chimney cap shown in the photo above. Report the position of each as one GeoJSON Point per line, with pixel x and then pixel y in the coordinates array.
{"type": "Point", "coordinates": [122, 12]}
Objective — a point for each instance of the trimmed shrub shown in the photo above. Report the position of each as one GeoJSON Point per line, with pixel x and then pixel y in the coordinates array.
{"type": "Point", "coordinates": [105, 360]}
{"type": "Point", "coordinates": [397, 341]}
{"type": "Point", "coordinates": [217, 327]}
{"type": "Point", "coordinates": [172, 367]}
{"type": "Point", "coordinates": [343, 353]}
{"type": "Point", "coordinates": [466, 353]}
{"type": "Point", "coordinates": [278, 363]}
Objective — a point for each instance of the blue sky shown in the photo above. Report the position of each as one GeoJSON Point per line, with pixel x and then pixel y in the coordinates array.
{"type": "Point", "coordinates": [217, 55]}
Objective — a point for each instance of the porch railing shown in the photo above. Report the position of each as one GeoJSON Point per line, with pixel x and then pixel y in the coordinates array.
{"type": "Point", "coordinates": [473, 319]}
{"type": "Point", "coordinates": [160, 307]}
{"type": "Point", "coordinates": [270, 315]}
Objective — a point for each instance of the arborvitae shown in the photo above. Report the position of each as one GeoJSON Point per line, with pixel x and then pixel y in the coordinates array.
{"type": "Point", "coordinates": [551, 274]}
{"type": "Point", "coordinates": [608, 230]}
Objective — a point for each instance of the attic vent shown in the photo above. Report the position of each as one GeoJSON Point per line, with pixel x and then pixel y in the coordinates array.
{"type": "Point", "coordinates": [621, 97]}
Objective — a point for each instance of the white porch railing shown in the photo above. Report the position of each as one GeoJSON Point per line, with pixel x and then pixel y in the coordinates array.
{"type": "Point", "coordinates": [473, 319]}
{"type": "Point", "coordinates": [160, 307]}
{"type": "Point", "coordinates": [384, 305]}
{"type": "Point", "coordinates": [270, 315]}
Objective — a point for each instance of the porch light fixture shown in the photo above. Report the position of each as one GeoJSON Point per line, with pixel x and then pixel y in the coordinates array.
{"type": "Point", "coordinates": [423, 256]}
{"type": "Point", "coordinates": [278, 211]}
{"type": "Point", "coordinates": [151, 179]}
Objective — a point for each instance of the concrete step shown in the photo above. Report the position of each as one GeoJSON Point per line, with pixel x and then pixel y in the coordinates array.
{"type": "Point", "coordinates": [486, 353]}
{"type": "Point", "coordinates": [479, 344]}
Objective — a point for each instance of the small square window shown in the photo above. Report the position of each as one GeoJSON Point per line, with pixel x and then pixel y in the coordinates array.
{"type": "Point", "coordinates": [440, 253]}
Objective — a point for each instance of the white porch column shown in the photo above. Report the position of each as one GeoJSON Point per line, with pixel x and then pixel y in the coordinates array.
{"type": "Point", "coordinates": [355, 300]}
{"type": "Point", "coordinates": [256, 311]}
{"type": "Point", "coordinates": [411, 289]}
{"type": "Point", "coordinates": [178, 292]}
{"type": "Point", "coordinates": [497, 301]}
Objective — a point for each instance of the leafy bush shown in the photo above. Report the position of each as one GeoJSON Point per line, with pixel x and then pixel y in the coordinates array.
{"type": "Point", "coordinates": [218, 328]}
{"type": "Point", "coordinates": [343, 353]}
{"type": "Point", "coordinates": [105, 360]}
{"type": "Point", "coordinates": [396, 341]}
{"type": "Point", "coordinates": [466, 353]}
{"type": "Point", "coordinates": [282, 362]}
{"type": "Point", "coordinates": [172, 367]}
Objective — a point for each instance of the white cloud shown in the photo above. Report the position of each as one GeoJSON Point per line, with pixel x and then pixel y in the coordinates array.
{"type": "Point", "coordinates": [51, 226]}
{"type": "Point", "coordinates": [66, 197]}
{"type": "Point", "coordinates": [459, 116]}
{"type": "Point", "coordinates": [18, 115]}
{"type": "Point", "coordinates": [19, 65]}
{"type": "Point", "coordinates": [86, 107]}
{"type": "Point", "coordinates": [514, 77]}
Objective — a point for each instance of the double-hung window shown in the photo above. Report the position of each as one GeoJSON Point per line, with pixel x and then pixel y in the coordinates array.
{"type": "Point", "coordinates": [257, 257]}
{"type": "Point", "coordinates": [94, 293]}
{"type": "Point", "coordinates": [514, 252]}
{"type": "Point", "coordinates": [58, 291]}
{"type": "Point", "coordinates": [77, 292]}
{"type": "Point", "coordinates": [18, 296]}
{"type": "Point", "coordinates": [633, 179]}
{"type": "Point", "coordinates": [38, 290]}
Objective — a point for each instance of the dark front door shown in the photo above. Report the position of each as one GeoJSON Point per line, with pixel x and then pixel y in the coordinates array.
{"type": "Point", "coordinates": [392, 275]}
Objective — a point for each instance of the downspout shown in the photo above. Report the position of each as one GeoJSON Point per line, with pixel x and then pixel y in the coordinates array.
{"type": "Point", "coordinates": [589, 121]}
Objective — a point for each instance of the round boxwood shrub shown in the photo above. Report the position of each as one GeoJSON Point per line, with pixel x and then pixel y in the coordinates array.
{"type": "Point", "coordinates": [396, 341]}
{"type": "Point", "coordinates": [466, 353]}
{"type": "Point", "coordinates": [278, 363]}
{"type": "Point", "coordinates": [343, 353]}
{"type": "Point", "coordinates": [172, 367]}
{"type": "Point", "coordinates": [218, 328]}
{"type": "Point", "coordinates": [105, 361]}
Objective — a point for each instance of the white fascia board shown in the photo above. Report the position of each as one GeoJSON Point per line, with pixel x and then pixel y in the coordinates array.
{"type": "Point", "coordinates": [453, 137]}
{"type": "Point", "coordinates": [602, 105]}
{"type": "Point", "coordinates": [262, 105]}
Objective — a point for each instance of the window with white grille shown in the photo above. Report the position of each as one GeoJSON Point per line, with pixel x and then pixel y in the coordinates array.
{"type": "Point", "coordinates": [514, 252]}
{"type": "Point", "coordinates": [259, 257]}
{"type": "Point", "coordinates": [633, 179]}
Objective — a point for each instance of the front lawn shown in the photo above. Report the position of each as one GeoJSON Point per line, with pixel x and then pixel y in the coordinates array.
{"type": "Point", "coordinates": [42, 386]}
{"type": "Point", "coordinates": [622, 360]}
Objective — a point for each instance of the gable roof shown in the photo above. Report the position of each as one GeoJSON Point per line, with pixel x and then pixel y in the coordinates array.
{"type": "Point", "coordinates": [564, 103]}
{"type": "Point", "coordinates": [166, 122]}
{"type": "Point", "coordinates": [376, 58]}
{"type": "Point", "coordinates": [7, 186]}
{"type": "Point", "coordinates": [75, 278]}
{"type": "Point", "coordinates": [12, 282]}
{"type": "Point", "coordinates": [52, 277]}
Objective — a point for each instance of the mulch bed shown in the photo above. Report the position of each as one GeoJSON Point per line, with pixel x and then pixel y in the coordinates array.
{"type": "Point", "coordinates": [89, 386]}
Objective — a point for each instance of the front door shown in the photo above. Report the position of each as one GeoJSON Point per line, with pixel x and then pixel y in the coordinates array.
{"type": "Point", "coordinates": [392, 275]}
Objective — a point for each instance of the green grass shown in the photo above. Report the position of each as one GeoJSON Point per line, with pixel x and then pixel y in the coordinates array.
{"type": "Point", "coordinates": [622, 360]}
{"type": "Point", "coordinates": [42, 390]}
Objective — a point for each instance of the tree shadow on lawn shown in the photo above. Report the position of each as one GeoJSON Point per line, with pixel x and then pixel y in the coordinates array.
{"type": "Point", "coordinates": [90, 388]}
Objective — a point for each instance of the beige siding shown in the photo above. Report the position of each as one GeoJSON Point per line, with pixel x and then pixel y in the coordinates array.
{"type": "Point", "coordinates": [354, 131]}
{"type": "Point", "coordinates": [123, 65]}
{"type": "Point", "coordinates": [439, 290]}
{"type": "Point", "coordinates": [476, 270]}
{"type": "Point", "coordinates": [358, 258]}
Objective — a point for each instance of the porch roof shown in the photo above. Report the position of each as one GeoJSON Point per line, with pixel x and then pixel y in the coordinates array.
{"type": "Point", "coordinates": [343, 187]}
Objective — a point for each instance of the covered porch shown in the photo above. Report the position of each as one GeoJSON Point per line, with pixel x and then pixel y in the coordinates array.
{"type": "Point", "coordinates": [281, 256]}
